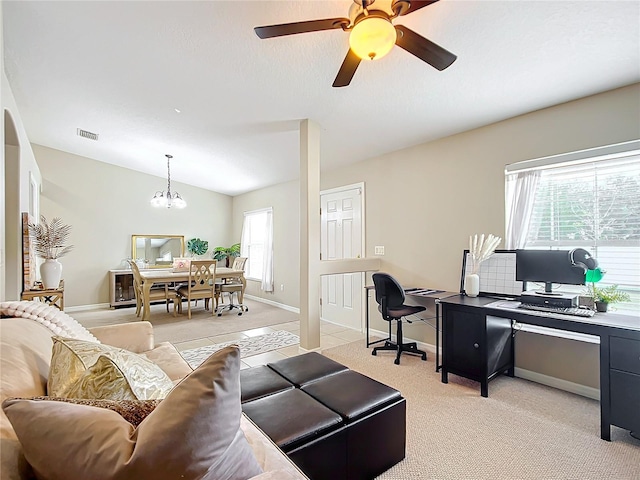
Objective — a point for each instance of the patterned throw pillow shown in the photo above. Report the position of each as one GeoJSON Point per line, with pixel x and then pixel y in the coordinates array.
{"type": "Point", "coordinates": [82, 369]}
{"type": "Point", "coordinates": [193, 434]}
{"type": "Point", "coordinates": [181, 264]}
{"type": "Point", "coordinates": [133, 411]}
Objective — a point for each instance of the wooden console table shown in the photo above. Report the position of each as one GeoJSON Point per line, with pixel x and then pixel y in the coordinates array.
{"type": "Point", "coordinates": [51, 296]}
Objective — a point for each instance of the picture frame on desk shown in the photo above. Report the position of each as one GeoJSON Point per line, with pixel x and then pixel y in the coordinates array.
{"type": "Point", "coordinates": [497, 274]}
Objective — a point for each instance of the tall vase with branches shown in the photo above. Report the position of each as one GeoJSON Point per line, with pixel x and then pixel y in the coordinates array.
{"type": "Point", "coordinates": [50, 243]}
{"type": "Point", "coordinates": [480, 248]}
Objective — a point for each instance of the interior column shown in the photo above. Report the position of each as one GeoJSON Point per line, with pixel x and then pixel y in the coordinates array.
{"type": "Point", "coordinates": [309, 235]}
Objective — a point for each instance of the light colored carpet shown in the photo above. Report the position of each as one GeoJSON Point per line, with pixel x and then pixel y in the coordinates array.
{"type": "Point", "coordinates": [168, 328]}
{"type": "Point", "coordinates": [523, 430]}
{"type": "Point", "coordinates": [248, 346]}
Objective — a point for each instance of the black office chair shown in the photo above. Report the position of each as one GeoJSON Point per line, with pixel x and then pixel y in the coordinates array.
{"type": "Point", "coordinates": [390, 298]}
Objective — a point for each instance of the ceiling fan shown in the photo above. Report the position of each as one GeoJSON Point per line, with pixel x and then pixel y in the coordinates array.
{"type": "Point", "coordinates": [372, 35]}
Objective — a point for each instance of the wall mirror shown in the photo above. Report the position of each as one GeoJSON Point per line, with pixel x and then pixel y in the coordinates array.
{"type": "Point", "coordinates": [156, 251]}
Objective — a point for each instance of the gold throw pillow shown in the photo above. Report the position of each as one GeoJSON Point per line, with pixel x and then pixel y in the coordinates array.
{"type": "Point", "coordinates": [81, 369]}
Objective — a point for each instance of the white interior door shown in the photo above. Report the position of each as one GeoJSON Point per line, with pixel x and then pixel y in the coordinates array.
{"type": "Point", "coordinates": [342, 237]}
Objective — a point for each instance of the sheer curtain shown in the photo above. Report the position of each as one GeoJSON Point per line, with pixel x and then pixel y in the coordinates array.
{"type": "Point", "coordinates": [267, 259]}
{"type": "Point", "coordinates": [256, 243]}
{"type": "Point", "coordinates": [521, 196]}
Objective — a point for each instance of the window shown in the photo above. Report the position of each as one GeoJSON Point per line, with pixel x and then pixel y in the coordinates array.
{"type": "Point", "coordinates": [593, 203]}
{"type": "Point", "coordinates": [257, 246]}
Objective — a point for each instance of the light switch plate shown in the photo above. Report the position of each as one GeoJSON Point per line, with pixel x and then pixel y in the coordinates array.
{"type": "Point", "coordinates": [379, 250]}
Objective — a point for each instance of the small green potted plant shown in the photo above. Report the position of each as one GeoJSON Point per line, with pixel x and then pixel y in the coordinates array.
{"type": "Point", "coordinates": [225, 253]}
{"type": "Point", "coordinates": [195, 246]}
{"type": "Point", "coordinates": [603, 296]}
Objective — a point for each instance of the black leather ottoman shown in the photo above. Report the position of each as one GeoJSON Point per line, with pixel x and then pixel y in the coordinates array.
{"type": "Point", "coordinates": [375, 416]}
{"type": "Point", "coordinates": [258, 382]}
{"type": "Point", "coordinates": [335, 424]}
{"type": "Point", "coordinates": [306, 368]}
{"type": "Point", "coordinates": [312, 435]}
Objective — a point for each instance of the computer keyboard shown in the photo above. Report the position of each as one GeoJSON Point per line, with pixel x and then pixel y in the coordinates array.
{"type": "Point", "coordinates": [579, 312]}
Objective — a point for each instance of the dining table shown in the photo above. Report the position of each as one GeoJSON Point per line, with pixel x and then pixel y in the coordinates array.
{"type": "Point", "coordinates": [162, 276]}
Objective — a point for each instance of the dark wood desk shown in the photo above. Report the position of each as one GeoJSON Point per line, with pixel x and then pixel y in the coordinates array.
{"type": "Point", "coordinates": [477, 343]}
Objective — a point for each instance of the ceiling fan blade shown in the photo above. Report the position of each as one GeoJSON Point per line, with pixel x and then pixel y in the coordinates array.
{"type": "Point", "coordinates": [281, 30]}
{"type": "Point", "coordinates": [424, 49]}
{"type": "Point", "coordinates": [347, 70]}
{"type": "Point", "coordinates": [405, 7]}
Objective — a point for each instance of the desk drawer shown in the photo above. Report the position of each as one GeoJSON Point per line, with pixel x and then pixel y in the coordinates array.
{"type": "Point", "coordinates": [625, 398]}
{"type": "Point", "coordinates": [624, 354]}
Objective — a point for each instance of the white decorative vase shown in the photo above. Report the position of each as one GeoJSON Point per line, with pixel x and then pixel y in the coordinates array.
{"type": "Point", "coordinates": [472, 285]}
{"type": "Point", "coordinates": [51, 272]}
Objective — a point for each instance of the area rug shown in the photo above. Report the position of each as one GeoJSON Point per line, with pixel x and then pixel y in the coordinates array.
{"type": "Point", "coordinates": [248, 346]}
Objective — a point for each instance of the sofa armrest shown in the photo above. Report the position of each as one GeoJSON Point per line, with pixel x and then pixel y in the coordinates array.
{"type": "Point", "coordinates": [277, 475]}
{"type": "Point", "coordinates": [273, 461]}
{"type": "Point", "coordinates": [136, 337]}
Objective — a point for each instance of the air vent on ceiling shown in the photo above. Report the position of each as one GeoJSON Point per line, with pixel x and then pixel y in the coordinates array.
{"type": "Point", "coordinates": [86, 134]}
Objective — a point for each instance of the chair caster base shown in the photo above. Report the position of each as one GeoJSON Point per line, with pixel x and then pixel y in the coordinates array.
{"type": "Point", "coordinates": [411, 348]}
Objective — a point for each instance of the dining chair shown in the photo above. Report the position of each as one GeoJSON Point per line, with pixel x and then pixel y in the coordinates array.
{"type": "Point", "coordinates": [156, 294]}
{"type": "Point", "coordinates": [201, 285]}
{"type": "Point", "coordinates": [233, 285]}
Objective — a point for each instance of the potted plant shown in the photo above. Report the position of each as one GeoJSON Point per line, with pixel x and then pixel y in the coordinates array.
{"type": "Point", "coordinates": [49, 241]}
{"type": "Point", "coordinates": [225, 253]}
{"type": "Point", "coordinates": [195, 246]}
{"type": "Point", "coordinates": [603, 296]}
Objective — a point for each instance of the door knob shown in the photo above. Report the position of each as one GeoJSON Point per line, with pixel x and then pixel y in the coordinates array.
{"type": "Point", "coordinates": [475, 345]}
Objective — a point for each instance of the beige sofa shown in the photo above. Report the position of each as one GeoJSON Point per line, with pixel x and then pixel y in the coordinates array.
{"type": "Point", "coordinates": [25, 352]}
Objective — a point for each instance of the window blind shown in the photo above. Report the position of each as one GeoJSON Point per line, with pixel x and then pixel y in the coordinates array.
{"type": "Point", "coordinates": [588, 199]}
{"type": "Point", "coordinates": [596, 206]}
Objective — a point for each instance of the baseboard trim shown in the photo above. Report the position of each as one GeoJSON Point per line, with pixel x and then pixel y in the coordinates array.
{"type": "Point", "coordinates": [558, 383]}
{"type": "Point", "coordinates": [361, 330]}
{"type": "Point", "coordinates": [95, 306]}
{"type": "Point", "coordinates": [307, 350]}
{"type": "Point", "coordinates": [274, 304]}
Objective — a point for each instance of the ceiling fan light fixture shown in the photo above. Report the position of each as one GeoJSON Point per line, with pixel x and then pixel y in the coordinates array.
{"type": "Point", "coordinates": [372, 37]}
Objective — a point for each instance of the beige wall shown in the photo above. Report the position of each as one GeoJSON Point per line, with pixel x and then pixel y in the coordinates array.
{"type": "Point", "coordinates": [105, 205]}
{"type": "Point", "coordinates": [422, 203]}
{"type": "Point", "coordinates": [17, 164]}
{"type": "Point", "coordinates": [285, 200]}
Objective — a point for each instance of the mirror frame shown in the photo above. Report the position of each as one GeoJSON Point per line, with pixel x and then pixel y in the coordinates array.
{"type": "Point", "coordinates": [134, 252]}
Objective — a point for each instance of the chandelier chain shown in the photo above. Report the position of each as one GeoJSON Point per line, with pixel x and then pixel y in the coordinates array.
{"type": "Point", "coordinates": [169, 157]}
{"type": "Point", "coordinates": [168, 199]}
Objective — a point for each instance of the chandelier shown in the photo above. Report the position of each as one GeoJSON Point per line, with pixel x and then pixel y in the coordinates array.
{"type": "Point", "coordinates": [168, 199]}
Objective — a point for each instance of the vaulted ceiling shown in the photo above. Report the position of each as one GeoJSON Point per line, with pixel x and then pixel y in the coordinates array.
{"type": "Point", "coordinates": [192, 79]}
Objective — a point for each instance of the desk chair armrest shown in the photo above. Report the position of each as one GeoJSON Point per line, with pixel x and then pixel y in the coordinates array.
{"type": "Point", "coordinates": [383, 308]}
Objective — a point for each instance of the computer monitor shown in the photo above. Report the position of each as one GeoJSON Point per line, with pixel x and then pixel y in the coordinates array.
{"type": "Point", "coordinates": [548, 266]}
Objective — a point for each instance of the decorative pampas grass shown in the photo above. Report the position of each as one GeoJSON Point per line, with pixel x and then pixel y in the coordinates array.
{"type": "Point", "coordinates": [481, 248]}
{"type": "Point", "coordinates": [49, 239]}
